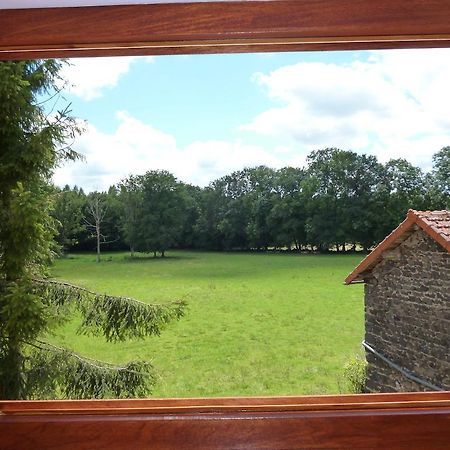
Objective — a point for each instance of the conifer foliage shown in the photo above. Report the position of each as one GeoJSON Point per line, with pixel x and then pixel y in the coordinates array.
{"type": "Point", "coordinates": [34, 139]}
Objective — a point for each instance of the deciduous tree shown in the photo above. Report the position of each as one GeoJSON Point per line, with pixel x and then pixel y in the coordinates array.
{"type": "Point", "coordinates": [162, 212]}
{"type": "Point", "coordinates": [438, 182]}
{"type": "Point", "coordinates": [68, 212]}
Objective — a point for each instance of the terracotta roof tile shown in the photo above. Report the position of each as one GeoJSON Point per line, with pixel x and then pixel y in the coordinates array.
{"type": "Point", "coordinates": [435, 223]}
{"type": "Point", "coordinates": [439, 221]}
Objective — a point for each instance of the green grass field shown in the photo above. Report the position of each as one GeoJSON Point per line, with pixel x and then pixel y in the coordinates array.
{"type": "Point", "coordinates": [257, 324]}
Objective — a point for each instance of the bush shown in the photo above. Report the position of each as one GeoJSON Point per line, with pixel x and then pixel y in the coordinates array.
{"type": "Point", "coordinates": [354, 375]}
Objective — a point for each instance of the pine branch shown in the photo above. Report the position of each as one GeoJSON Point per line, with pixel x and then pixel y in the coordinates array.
{"type": "Point", "coordinates": [95, 363]}
{"type": "Point", "coordinates": [116, 318]}
{"type": "Point", "coordinates": [54, 370]}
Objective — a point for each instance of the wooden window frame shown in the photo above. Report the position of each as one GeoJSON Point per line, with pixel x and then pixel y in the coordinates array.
{"type": "Point", "coordinates": [372, 421]}
{"type": "Point", "coordinates": [224, 27]}
{"type": "Point", "coordinates": [413, 421]}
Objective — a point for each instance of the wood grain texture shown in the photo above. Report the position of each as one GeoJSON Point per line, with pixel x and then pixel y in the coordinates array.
{"type": "Point", "coordinates": [231, 404]}
{"type": "Point", "coordinates": [224, 27]}
{"type": "Point", "coordinates": [376, 421]}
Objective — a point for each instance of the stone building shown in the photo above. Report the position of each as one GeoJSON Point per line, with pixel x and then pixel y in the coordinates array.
{"type": "Point", "coordinates": [407, 305]}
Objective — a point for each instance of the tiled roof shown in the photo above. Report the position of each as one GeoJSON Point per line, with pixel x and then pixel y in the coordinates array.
{"type": "Point", "coordinates": [438, 222]}
{"type": "Point", "coordinates": [435, 223]}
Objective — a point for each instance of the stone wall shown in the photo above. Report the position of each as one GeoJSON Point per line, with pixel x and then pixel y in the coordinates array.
{"type": "Point", "coordinates": [407, 314]}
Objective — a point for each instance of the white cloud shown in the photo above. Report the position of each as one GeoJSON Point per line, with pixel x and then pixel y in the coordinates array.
{"type": "Point", "coordinates": [393, 104]}
{"type": "Point", "coordinates": [88, 78]}
{"type": "Point", "coordinates": [136, 147]}
{"type": "Point", "coordinates": [396, 104]}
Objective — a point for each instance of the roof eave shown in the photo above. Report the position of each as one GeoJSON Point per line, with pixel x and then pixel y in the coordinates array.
{"type": "Point", "coordinates": [371, 258]}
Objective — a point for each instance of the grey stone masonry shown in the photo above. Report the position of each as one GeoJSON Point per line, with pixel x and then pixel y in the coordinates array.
{"type": "Point", "coordinates": [407, 314]}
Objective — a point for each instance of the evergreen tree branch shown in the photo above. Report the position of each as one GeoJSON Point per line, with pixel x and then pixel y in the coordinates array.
{"type": "Point", "coordinates": [116, 318]}
{"type": "Point", "coordinates": [55, 371]}
{"type": "Point", "coordinates": [95, 363]}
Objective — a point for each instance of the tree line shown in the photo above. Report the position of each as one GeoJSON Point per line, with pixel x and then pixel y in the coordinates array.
{"type": "Point", "coordinates": [340, 200]}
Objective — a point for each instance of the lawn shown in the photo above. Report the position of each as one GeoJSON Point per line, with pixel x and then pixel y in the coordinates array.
{"type": "Point", "coordinates": [257, 324]}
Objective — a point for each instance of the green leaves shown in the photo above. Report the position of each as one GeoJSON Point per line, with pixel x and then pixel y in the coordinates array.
{"type": "Point", "coordinates": [354, 375]}
{"type": "Point", "coordinates": [120, 318]}
{"type": "Point", "coordinates": [22, 314]}
{"type": "Point", "coordinates": [22, 317]}
{"type": "Point", "coordinates": [440, 179]}
{"type": "Point", "coordinates": [49, 371]}
{"type": "Point", "coordinates": [52, 371]}
{"type": "Point", "coordinates": [155, 206]}
{"type": "Point", "coordinates": [26, 232]}
{"type": "Point", "coordinates": [114, 318]}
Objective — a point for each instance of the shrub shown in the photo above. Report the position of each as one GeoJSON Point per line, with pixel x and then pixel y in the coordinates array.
{"type": "Point", "coordinates": [354, 375]}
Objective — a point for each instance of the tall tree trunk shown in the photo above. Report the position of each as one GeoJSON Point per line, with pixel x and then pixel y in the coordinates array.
{"type": "Point", "coordinates": [98, 243]}
{"type": "Point", "coordinates": [163, 252]}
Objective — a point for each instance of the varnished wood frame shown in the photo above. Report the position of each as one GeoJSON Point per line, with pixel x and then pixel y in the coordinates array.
{"type": "Point", "coordinates": [224, 27]}
{"type": "Point", "coordinates": [374, 421]}
{"type": "Point", "coordinates": [410, 421]}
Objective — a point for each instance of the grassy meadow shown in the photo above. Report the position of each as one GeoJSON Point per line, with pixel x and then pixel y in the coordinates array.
{"type": "Point", "coordinates": [256, 324]}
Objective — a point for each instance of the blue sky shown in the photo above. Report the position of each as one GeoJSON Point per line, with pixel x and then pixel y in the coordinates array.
{"type": "Point", "coordinates": [203, 116]}
{"type": "Point", "coordinates": [192, 97]}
